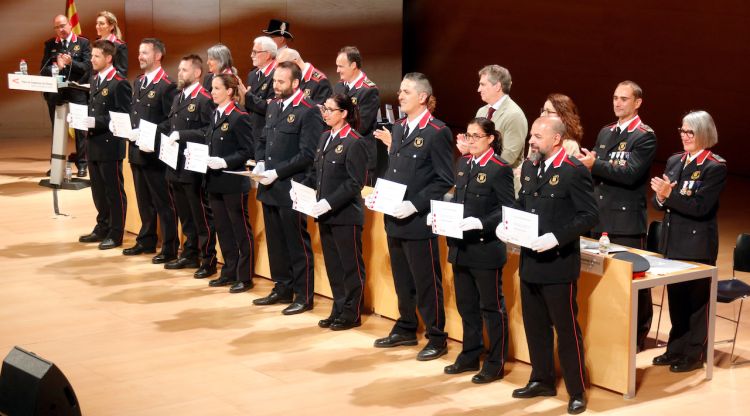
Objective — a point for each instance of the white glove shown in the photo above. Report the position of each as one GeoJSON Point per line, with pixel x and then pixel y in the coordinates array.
{"type": "Point", "coordinates": [259, 168]}
{"type": "Point", "coordinates": [216, 163]}
{"type": "Point", "coordinates": [430, 219]}
{"type": "Point", "coordinates": [269, 176]}
{"type": "Point", "coordinates": [292, 195]}
{"type": "Point", "coordinates": [91, 121]}
{"type": "Point", "coordinates": [174, 136]}
{"type": "Point", "coordinates": [544, 243]}
{"type": "Point", "coordinates": [134, 135]}
{"type": "Point", "coordinates": [470, 223]}
{"type": "Point", "coordinates": [404, 210]}
{"type": "Point", "coordinates": [69, 118]}
{"type": "Point", "coordinates": [111, 126]}
{"type": "Point", "coordinates": [320, 208]}
{"type": "Point", "coordinates": [500, 233]}
{"type": "Point", "coordinates": [370, 200]}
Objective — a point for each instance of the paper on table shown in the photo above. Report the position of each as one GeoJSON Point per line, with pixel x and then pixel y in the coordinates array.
{"type": "Point", "coordinates": [519, 227]}
{"type": "Point", "coordinates": [146, 135]}
{"type": "Point", "coordinates": [387, 196]}
{"type": "Point", "coordinates": [121, 123]}
{"type": "Point", "coordinates": [664, 266]}
{"type": "Point", "coordinates": [196, 158]}
{"type": "Point", "coordinates": [79, 116]}
{"type": "Point", "coordinates": [306, 198]}
{"type": "Point", "coordinates": [446, 218]}
{"type": "Point", "coordinates": [169, 151]}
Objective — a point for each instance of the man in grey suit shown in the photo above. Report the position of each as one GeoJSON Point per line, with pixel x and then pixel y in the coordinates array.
{"type": "Point", "coordinates": [494, 87]}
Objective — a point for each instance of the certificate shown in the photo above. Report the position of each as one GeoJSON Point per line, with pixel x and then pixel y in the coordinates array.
{"type": "Point", "coordinates": [387, 196]}
{"type": "Point", "coordinates": [196, 157]}
{"type": "Point", "coordinates": [519, 227]}
{"type": "Point", "coordinates": [169, 151]}
{"type": "Point", "coordinates": [147, 135]}
{"type": "Point", "coordinates": [306, 198]}
{"type": "Point", "coordinates": [121, 124]}
{"type": "Point", "coordinates": [79, 116]}
{"type": "Point", "coordinates": [446, 217]}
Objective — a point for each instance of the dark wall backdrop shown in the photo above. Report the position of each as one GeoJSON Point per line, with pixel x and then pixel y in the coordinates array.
{"type": "Point", "coordinates": [685, 54]}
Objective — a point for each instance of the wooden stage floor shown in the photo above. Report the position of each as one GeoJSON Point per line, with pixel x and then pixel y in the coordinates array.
{"type": "Point", "coordinates": [136, 339]}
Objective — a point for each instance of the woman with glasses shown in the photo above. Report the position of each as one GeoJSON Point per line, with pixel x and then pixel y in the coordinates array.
{"type": "Point", "coordinates": [559, 105]}
{"type": "Point", "coordinates": [688, 192]}
{"type": "Point", "coordinates": [484, 184]}
{"type": "Point", "coordinates": [338, 175]}
{"type": "Point", "coordinates": [219, 62]}
{"type": "Point", "coordinates": [107, 29]}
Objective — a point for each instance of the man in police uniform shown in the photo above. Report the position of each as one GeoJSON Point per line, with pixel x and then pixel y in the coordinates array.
{"type": "Point", "coordinates": [109, 91]}
{"type": "Point", "coordinates": [421, 158]}
{"type": "Point", "coordinates": [620, 164]}
{"type": "Point", "coordinates": [153, 95]}
{"type": "Point", "coordinates": [364, 93]}
{"type": "Point", "coordinates": [72, 56]}
{"type": "Point", "coordinates": [314, 83]}
{"type": "Point", "coordinates": [559, 190]}
{"type": "Point", "coordinates": [278, 30]}
{"type": "Point", "coordinates": [259, 89]}
{"type": "Point", "coordinates": [190, 117]}
{"type": "Point", "coordinates": [284, 153]}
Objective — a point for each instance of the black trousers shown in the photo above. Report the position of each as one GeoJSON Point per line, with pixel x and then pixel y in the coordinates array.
{"type": "Point", "coordinates": [342, 252]}
{"type": "Point", "coordinates": [155, 200]}
{"type": "Point", "coordinates": [232, 221]}
{"type": "Point", "coordinates": [419, 285]}
{"type": "Point", "coordinates": [108, 192]}
{"type": "Point", "coordinates": [197, 221]}
{"type": "Point", "coordinates": [479, 296]}
{"type": "Point", "coordinates": [545, 307]}
{"type": "Point", "coordinates": [688, 311]}
{"type": "Point", "coordinates": [289, 252]}
{"type": "Point", "coordinates": [80, 136]}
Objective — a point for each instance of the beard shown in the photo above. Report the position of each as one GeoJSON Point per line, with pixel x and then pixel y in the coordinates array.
{"type": "Point", "coordinates": [535, 155]}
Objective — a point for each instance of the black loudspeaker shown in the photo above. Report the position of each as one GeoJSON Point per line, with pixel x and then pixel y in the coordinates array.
{"type": "Point", "coordinates": [31, 385]}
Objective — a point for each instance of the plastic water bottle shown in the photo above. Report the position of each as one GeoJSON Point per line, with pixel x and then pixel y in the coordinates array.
{"type": "Point", "coordinates": [604, 243]}
{"type": "Point", "coordinates": [54, 70]}
{"type": "Point", "coordinates": [68, 172]}
{"type": "Point", "coordinates": [23, 67]}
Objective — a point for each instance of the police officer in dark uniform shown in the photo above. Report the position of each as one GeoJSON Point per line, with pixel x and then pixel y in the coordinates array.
{"type": "Point", "coordinates": [108, 29]}
{"type": "Point", "coordinates": [109, 91]}
{"type": "Point", "coordinates": [620, 163]}
{"type": "Point", "coordinates": [259, 89]}
{"type": "Point", "coordinates": [689, 193]}
{"type": "Point", "coordinates": [365, 95]}
{"type": "Point", "coordinates": [219, 60]}
{"type": "Point", "coordinates": [338, 174]}
{"type": "Point", "coordinates": [72, 56]}
{"type": "Point", "coordinates": [559, 190]}
{"type": "Point", "coordinates": [315, 85]}
{"type": "Point", "coordinates": [420, 157]}
{"type": "Point", "coordinates": [190, 117]}
{"type": "Point", "coordinates": [284, 153]}
{"type": "Point", "coordinates": [153, 95]}
{"type": "Point", "coordinates": [484, 184]}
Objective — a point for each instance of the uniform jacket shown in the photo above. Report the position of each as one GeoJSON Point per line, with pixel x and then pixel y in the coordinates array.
{"type": "Point", "coordinates": [230, 139]}
{"type": "Point", "coordinates": [564, 201]}
{"type": "Point", "coordinates": [79, 69]}
{"type": "Point", "coordinates": [192, 118]}
{"type": "Point", "coordinates": [113, 94]}
{"type": "Point", "coordinates": [621, 177]}
{"type": "Point", "coordinates": [153, 104]}
{"type": "Point", "coordinates": [423, 162]}
{"type": "Point", "coordinates": [209, 77]}
{"type": "Point", "coordinates": [120, 60]}
{"type": "Point", "coordinates": [288, 145]}
{"type": "Point", "coordinates": [365, 96]}
{"type": "Point", "coordinates": [315, 85]}
{"type": "Point", "coordinates": [689, 230]}
{"type": "Point", "coordinates": [259, 94]}
{"type": "Point", "coordinates": [483, 191]}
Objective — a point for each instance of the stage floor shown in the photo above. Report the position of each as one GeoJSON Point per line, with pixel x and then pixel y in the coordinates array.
{"type": "Point", "coordinates": [136, 339]}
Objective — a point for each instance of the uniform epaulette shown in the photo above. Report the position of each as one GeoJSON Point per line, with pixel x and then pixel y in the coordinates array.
{"type": "Point", "coordinates": [169, 81]}
{"type": "Point", "coordinates": [572, 161]}
{"type": "Point", "coordinates": [436, 126]}
{"type": "Point", "coordinates": [645, 127]}
{"type": "Point", "coordinates": [354, 134]}
{"type": "Point", "coordinates": [717, 158]}
{"type": "Point", "coordinates": [306, 103]}
{"type": "Point", "coordinates": [317, 76]}
{"type": "Point", "coordinates": [497, 161]}
{"type": "Point", "coordinates": [369, 84]}
{"type": "Point", "coordinates": [119, 77]}
{"type": "Point", "coordinates": [82, 37]}
{"type": "Point", "coordinates": [204, 93]}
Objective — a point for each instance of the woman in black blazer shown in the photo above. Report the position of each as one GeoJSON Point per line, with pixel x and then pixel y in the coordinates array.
{"type": "Point", "coordinates": [688, 192]}
{"type": "Point", "coordinates": [484, 184]}
{"type": "Point", "coordinates": [338, 175]}
{"type": "Point", "coordinates": [219, 62]}
{"type": "Point", "coordinates": [108, 29]}
{"type": "Point", "coordinates": [229, 147]}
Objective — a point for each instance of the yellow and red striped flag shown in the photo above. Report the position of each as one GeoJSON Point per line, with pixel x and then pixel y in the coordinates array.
{"type": "Point", "coordinates": [70, 11]}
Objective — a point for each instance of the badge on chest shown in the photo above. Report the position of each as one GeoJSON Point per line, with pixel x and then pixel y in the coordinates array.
{"type": "Point", "coordinates": [418, 142]}
{"type": "Point", "coordinates": [689, 188]}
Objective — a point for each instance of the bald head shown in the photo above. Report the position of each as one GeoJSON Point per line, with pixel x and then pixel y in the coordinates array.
{"type": "Point", "coordinates": [290, 55]}
{"type": "Point", "coordinates": [62, 26]}
{"type": "Point", "coordinates": [546, 137]}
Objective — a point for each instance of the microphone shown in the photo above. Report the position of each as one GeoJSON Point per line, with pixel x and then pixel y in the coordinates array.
{"type": "Point", "coordinates": [44, 65]}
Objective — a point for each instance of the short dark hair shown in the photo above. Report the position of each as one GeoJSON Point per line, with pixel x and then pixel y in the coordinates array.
{"type": "Point", "coordinates": [352, 55]}
{"type": "Point", "coordinates": [293, 68]}
{"type": "Point", "coordinates": [194, 60]}
{"type": "Point", "coordinates": [345, 102]}
{"type": "Point", "coordinates": [157, 44]}
{"type": "Point", "coordinates": [637, 90]}
{"type": "Point", "coordinates": [488, 127]}
{"type": "Point", "coordinates": [107, 47]}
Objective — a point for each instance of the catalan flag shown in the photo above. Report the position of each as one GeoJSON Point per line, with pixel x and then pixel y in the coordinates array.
{"type": "Point", "coordinates": [72, 14]}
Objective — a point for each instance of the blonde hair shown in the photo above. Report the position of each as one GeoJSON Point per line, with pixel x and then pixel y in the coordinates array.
{"type": "Point", "coordinates": [112, 20]}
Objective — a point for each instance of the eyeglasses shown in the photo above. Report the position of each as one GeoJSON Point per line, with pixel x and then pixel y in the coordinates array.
{"type": "Point", "coordinates": [474, 137]}
{"type": "Point", "coordinates": [253, 53]}
{"type": "Point", "coordinates": [544, 111]}
{"type": "Point", "coordinates": [689, 133]}
{"type": "Point", "coordinates": [330, 110]}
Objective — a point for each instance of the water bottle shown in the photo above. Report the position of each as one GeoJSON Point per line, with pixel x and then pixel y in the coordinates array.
{"type": "Point", "coordinates": [68, 172]}
{"type": "Point", "coordinates": [604, 243]}
{"type": "Point", "coordinates": [23, 67]}
{"type": "Point", "coordinates": [54, 70]}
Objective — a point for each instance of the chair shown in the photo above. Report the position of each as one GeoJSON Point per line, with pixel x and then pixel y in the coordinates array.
{"type": "Point", "coordinates": [732, 289]}
{"type": "Point", "coordinates": [652, 244]}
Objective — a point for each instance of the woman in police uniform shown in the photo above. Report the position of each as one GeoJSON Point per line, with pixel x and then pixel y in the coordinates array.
{"type": "Point", "coordinates": [484, 183]}
{"type": "Point", "coordinates": [229, 147]}
{"type": "Point", "coordinates": [688, 192]}
{"type": "Point", "coordinates": [108, 29]}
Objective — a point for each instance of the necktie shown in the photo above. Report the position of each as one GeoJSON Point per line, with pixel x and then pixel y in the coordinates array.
{"type": "Point", "coordinates": [217, 115]}
{"type": "Point", "coordinates": [473, 164]}
{"type": "Point", "coordinates": [182, 98]}
{"type": "Point", "coordinates": [65, 44]}
{"type": "Point", "coordinates": [618, 130]}
{"type": "Point", "coordinates": [98, 82]}
{"type": "Point", "coordinates": [406, 132]}
{"type": "Point", "coordinates": [490, 112]}
{"type": "Point", "coordinates": [327, 142]}
{"type": "Point", "coordinates": [346, 88]}
{"type": "Point", "coordinates": [542, 167]}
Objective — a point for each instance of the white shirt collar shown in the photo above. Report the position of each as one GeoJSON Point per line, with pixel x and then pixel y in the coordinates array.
{"type": "Point", "coordinates": [356, 80]}
{"type": "Point", "coordinates": [624, 126]}
{"type": "Point", "coordinates": [68, 39]}
{"type": "Point", "coordinates": [189, 90]}
{"type": "Point", "coordinates": [414, 123]}
{"type": "Point", "coordinates": [223, 107]}
{"type": "Point", "coordinates": [150, 76]}
{"type": "Point", "coordinates": [552, 159]}
{"type": "Point", "coordinates": [478, 159]}
{"type": "Point", "coordinates": [499, 102]}
{"type": "Point", "coordinates": [288, 101]}
{"type": "Point", "coordinates": [690, 157]}
{"type": "Point", "coordinates": [103, 74]}
{"type": "Point", "coordinates": [263, 70]}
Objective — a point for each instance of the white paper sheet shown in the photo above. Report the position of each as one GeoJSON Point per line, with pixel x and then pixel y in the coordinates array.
{"type": "Point", "coordinates": [169, 151]}
{"type": "Point", "coordinates": [446, 217]}
{"type": "Point", "coordinates": [122, 126]}
{"type": "Point", "coordinates": [147, 135]}
{"type": "Point", "coordinates": [196, 157]}
{"type": "Point", "coordinates": [389, 113]}
{"type": "Point", "coordinates": [306, 198]}
{"type": "Point", "coordinates": [665, 266]}
{"type": "Point", "coordinates": [387, 196]}
{"type": "Point", "coordinates": [519, 227]}
{"type": "Point", "coordinates": [79, 115]}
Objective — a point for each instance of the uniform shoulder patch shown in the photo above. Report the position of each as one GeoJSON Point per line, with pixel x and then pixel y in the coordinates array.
{"type": "Point", "coordinates": [119, 77]}
{"type": "Point", "coordinates": [497, 161]}
{"type": "Point", "coordinates": [717, 158]}
{"type": "Point", "coordinates": [354, 134]}
{"type": "Point", "coordinates": [572, 161]}
{"type": "Point", "coordinates": [645, 127]}
{"type": "Point", "coordinates": [318, 76]}
{"type": "Point", "coordinates": [307, 103]}
{"type": "Point", "coordinates": [205, 93]}
{"type": "Point", "coordinates": [369, 84]}
{"type": "Point", "coordinates": [437, 124]}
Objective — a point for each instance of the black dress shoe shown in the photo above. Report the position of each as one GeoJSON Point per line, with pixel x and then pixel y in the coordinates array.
{"type": "Point", "coordinates": [343, 324]}
{"type": "Point", "coordinates": [181, 263]}
{"type": "Point", "coordinates": [162, 258]}
{"type": "Point", "coordinates": [576, 404]}
{"type": "Point", "coordinates": [297, 307]}
{"type": "Point", "coordinates": [484, 377]}
{"type": "Point", "coordinates": [90, 238]}
{"type": "Point", "coordinates": [667, 358]}
{"type": "Point", "coordinates": [138, 249]}
{"type": "Point", "coordinates": [534, 389]}
{"type": "Point", "coordinates": [686, 364]}
{"type": "Point", "coordinates": [458, 368]}
{"type": "Point", "coordinates": [108, 243]}
{"type": "Point", "coordinates": [431, 352]}
{"type": "Point", "coordinates": [326, 323]}
{"type": "Point", "coordinates": [240, 287]}
{"type": "Point", "coordinates": [395, 340]}
{"type": "Point", "coordinates": [273, 298]}
{"type": "Point", "coordinates": [204, 272]}
{"type": "Point", "coordinates": [221, 281]}
{"type": "Point", "coordinates": [82, 172]}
